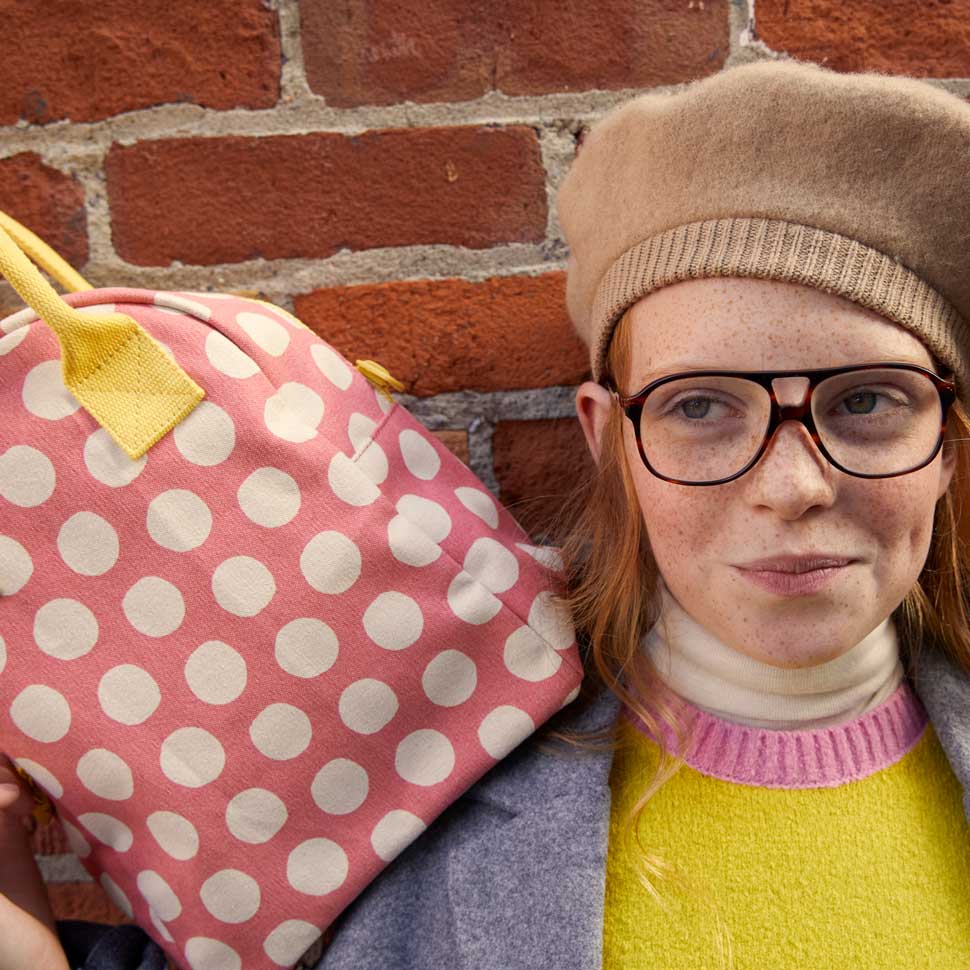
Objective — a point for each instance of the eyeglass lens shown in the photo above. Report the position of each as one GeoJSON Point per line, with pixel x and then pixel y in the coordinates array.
{"type": "Point", "coordinates": [874, 422]}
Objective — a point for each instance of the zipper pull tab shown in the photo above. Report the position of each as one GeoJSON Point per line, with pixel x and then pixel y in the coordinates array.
{"type": "Point", "coordinates": [379, 376]}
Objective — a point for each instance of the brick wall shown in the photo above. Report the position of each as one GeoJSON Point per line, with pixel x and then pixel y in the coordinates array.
{"type": "Point", "coordinates": [385, 170]}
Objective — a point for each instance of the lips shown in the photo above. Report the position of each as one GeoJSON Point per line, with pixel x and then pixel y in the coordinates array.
{"type": "Point", "coordinates": [796, 564]}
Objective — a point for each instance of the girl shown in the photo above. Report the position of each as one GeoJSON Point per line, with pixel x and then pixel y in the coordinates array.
{"type": "Point", "coordinates": [767, 568]}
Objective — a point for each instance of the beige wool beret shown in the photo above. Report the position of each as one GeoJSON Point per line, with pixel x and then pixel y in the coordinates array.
{"type": "Point", "coordinates": [857, 184]}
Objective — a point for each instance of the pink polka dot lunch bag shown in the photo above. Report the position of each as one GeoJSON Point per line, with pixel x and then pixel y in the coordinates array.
{"type": "Point", "coordinates": [258, 627]}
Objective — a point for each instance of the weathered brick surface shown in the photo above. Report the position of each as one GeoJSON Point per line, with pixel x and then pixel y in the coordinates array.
{"type": "Point", "coordinates": [382, 52]}
{"type": "Point", "coordinates": [46, 201]}
{"type": "Point", "coordinates": [537, 463]}
{"type": "Point", "coordinates": [86, 61]}
{"type": "Point", "coordinates": [449, 335]}
{"type": "Point", "coordinates": [83, 900]}
{"type": "Point", "coordinates": [455, 440]}
{"type": "Point", "coordinates": [922, 39]}
{"type": "Point", "coordinates": [217, 200]}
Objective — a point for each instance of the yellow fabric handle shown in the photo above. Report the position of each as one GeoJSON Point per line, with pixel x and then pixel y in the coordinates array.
{"type": "Point", "coordinates": [51, 262]}
{"type": "Point", "coordinates": [112, 366]}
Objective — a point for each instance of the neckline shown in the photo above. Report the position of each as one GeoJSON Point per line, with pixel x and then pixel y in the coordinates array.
{"type": "Point", "coordinates": [808, 758]}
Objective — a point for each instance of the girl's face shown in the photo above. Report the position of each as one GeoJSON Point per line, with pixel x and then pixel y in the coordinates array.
{"type": "Point", "coordinates": [792, 501]}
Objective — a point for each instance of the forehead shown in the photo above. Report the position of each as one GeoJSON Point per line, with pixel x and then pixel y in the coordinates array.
{"type": "Point", "coordinates": [741, 323]}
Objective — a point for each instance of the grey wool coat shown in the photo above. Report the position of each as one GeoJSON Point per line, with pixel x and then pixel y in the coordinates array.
{"type": "Point", "coordinates": [512, 875]}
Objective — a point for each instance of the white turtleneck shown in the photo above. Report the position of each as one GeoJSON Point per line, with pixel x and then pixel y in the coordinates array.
{"type": "Point", "coordinates": [724, 682]}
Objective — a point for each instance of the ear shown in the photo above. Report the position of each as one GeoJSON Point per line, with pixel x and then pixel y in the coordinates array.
{"type": "Point", "coordinates": [948, 464]}
{"type": "Point", "coordinates": [593, 403]}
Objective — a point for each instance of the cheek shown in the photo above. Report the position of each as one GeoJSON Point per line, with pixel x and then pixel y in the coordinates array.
{"type": "Point", "coordinates": [899, 519]}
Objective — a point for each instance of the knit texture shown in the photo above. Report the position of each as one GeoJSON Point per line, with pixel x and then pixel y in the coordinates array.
{"type": "Point", "coordinates": [853, 183]}
{"type": "Point", "coordinates": [833, 847]}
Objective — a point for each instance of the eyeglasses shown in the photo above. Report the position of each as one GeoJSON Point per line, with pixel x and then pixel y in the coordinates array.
{"type": "Point", "coordinates": [708, 427]}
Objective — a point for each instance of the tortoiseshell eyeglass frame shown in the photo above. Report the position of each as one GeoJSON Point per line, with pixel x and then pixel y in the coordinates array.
{"type": "Point", "coordinates": [633, 406]}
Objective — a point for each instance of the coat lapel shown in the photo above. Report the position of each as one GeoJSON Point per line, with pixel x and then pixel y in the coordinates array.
{"type": "Point", "coordinates": [528, 891]}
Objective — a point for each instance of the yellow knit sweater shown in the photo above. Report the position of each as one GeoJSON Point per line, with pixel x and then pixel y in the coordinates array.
{"type": "Point", "coordinates": [841, 847]}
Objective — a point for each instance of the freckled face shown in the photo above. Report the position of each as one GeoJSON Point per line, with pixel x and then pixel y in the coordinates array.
{"type": "Point", "coordinates": [793, 500]}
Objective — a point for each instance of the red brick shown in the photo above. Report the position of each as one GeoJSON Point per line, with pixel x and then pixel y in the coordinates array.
{"type": "Point", "coordinates": [83, 900]}
{"type": "Point", "coordinates": [537, 463]}
{"type": "Point", "coordinates": [46, 201]}
{"type": "Point", "coordinates": [450, 335]}
{"type": "Point", "coordinates": [383, 52]}
{"type": "Point", "coordinates": [87, 61]}
{"type": "Point", "coordinates": [919, 39]}
{"type": "Point", "coordinates": [456, 441]}
{"type": "Point", "coordinates": [220, 200]}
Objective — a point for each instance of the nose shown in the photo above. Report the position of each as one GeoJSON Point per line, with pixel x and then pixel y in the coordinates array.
{"type": "Point", "coordinates": [792, 475]}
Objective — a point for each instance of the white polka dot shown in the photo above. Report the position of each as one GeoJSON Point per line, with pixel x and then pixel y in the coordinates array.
{"type": "Point", "coordinates": [179, 520]}
{"type": "Point", "coordinates": [450, 678]}
{"type": "Point", "coordinates": [360, 430]}
{"type": "Point", "coordinates": [192, 757]}
{"type": "Point", "coordinates": [268, 334]}
{"type": "Point", "coordinates": [419, 454]}
{"type": "Point", "coordinates": [215, 672]}
{"type": "Point", "coordinates": [330, 562]}
{"type": "Point", "coordinates": [529, 656]}
{"type": "Point", "coordinates": [176, 835]}
{"type": "Point", "coordinates": [395, 832]}
{"type": "Point", "coordinates": [44, 393]}
{"type": "Point", "coordinates": [154, 606]}
{"type": "Point", "coordinates": [78, 843]}
{"type": "Point", "coordinates": [65, 629]}
{"type": "Point", "coordinates": [108, 463]}
{"type": "Point", "coordinates": [128, 694]}
{"type": "Point", "coordinates": [207, 436]}
{"type": "Point", "coordinates": [13, 339]}
{"type": "Point", "coordinates": [160, 926]}
{"type": "Point", "coordinates": [158, 894]}
{"type": "Point", "coordinates": [570, 697]}
{"type": "Point", "coordinates": [410, 544]}
{"type": "Point", "coordinates": [183, 304]}
{"type": "Point", "coordinates": [255, 815]}
{"type": "Point", "coordinates": [99, 308]}
{"type": "Point", "coordinates": [306, 647]}
{"type": "Point", "coordinates": [42, 776]}
{"type": "Point", "coordinates": [26, 476]}
{"type": "Point", "coordinates": [108, 829]}
{"type": "Point", "coordinates": [16, 566]}
{"type": "Point", "coordinates": [317, 867]}
{"type": "Point", "coordinates": [551, 619]}
{"type": "Point", "coordinates": [367, 705]}
{"type": "Point", "coordinates": [227, 358]}
{"type": "Point", "coordinates": [116, 894]}
{"type": "Point", "coordinates": [105, 774]}
{"type": "Point", "coordinates": [332, 365]}
{"type": "Point", "coordinates": [243, 586]}
{"type": "Point", "coordinates": [340, 786]}
{"type": "Point", "coordinates": [504, 729]}
{"type": "Point", "coordinates": [289, 941]}
{"type": "Point", "coordinates": [281, 731]}
{"type": "Point", "coordinates": [373, 463]}
{"type": "Point", "coordinates": [41, 713]}
{"type": "Point", "coordinates": [470, 601]}
{"type": "Point", "coordinates": [482, 505]}
{"type": "Point", "coordinates": [230, 895]}
{"type": "Point", "coordinates": [393, 621]}
{"type": "Point", "coordinates": [494, 566]}
{"type": "Point", "coordinates": [426, 514]}
{"type": "Point", "coordinates": [269, 497]}
{"type": "Point", "coordinates": [347, 482]}
{"type": "Point", "coordinates": [425, 757]}
{"type": "Point", "coordinates": [547, 556]}
{"type": "Point", "coordinates": [204, 953]}
{"type": "Point", "coordinates": [294, 412]}
{"type": "Point", "coordinates": [382, 402]}
{"type": "Point", "coordinates": [88, 544]}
